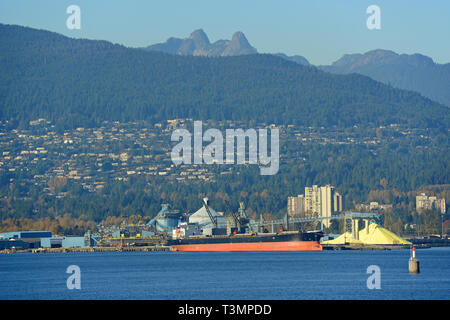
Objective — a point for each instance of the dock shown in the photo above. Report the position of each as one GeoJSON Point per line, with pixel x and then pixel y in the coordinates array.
{"type": "Point", "coordinates": [358, 246]}
{"type": "Point", "coordinates": [91, 249]}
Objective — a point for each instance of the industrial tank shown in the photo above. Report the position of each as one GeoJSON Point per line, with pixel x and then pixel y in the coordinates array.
{"type": "Point", "coordinates": [167, 222]}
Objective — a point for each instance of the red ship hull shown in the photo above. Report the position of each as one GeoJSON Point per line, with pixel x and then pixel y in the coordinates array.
{"type": "Point", "coordinates": [251, 246]}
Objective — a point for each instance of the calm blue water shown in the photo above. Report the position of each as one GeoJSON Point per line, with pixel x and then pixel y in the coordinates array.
{"type": "Point", "coordinates": [254, 275]}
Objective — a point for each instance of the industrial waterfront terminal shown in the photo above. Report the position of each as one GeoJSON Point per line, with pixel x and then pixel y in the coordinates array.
{"type": "Point", "coordinates": [208, 230]}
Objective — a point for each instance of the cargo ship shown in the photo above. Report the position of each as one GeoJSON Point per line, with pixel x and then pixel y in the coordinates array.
{"type": "Point", "coordinates": [283, 241]}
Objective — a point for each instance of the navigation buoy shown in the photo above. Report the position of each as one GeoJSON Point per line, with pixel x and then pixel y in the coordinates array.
{"type": "Point", "coordinates": [413, 262]}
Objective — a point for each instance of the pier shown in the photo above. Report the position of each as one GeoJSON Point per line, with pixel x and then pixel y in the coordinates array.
{"type": "Point", "coordinates": [364, 247]}
{"type": "Point", "coordinates": [91, 249]}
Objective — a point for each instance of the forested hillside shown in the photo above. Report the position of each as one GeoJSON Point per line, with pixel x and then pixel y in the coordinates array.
{"type": "Point", "coordinates": [371, 141]}
{"type": "Point", "coordinates": [83, 82]}
{"type": "Point", "coordinates": [411, 72]}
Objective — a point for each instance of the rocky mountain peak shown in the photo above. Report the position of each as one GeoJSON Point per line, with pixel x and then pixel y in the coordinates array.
{"type": "Point", "coordinates": [239, 37]}
{"type": "Point", "coordinates": [200, 38]}
{"type": "Point", "coordinates": [238, 45]}
{"type": "Point", "coordinates": [198, 44]}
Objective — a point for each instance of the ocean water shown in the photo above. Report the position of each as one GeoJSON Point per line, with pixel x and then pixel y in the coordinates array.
{"type": "Point", "coordinates": [230, 275]}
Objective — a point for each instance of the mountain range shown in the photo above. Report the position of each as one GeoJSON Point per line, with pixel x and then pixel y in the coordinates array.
{"type": "Point", "coordinates": [411, 72]}
{"type": "Point", "coordinates": [84, 82]}
{"type": "Point", "coordinates": [198, 44]}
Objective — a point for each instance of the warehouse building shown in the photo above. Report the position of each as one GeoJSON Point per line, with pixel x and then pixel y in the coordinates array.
{"type": "Point", "coordinates": [25, 234]}
{"type": "Point", "coordinates": [38, 239]}
{"type": "Point", "coordinates": [63, 242]}
{"type": "Point", "coordinates": [22, 239]}
{"type": "Point", "coordinates": [13, 244]}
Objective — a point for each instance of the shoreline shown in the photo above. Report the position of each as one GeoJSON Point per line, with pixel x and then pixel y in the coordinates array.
{"type": "Point", "coordinates": [357, 247]}
{"type": "Point", "coordinates": [90, 249]}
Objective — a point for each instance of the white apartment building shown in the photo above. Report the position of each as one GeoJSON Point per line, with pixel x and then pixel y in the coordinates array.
{"type": "Point", "coordinates": [423, 202]}
{"type": "Point", "coordinates": [296, 205]}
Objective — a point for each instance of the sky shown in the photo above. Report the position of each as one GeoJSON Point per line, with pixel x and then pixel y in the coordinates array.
{"type": "Point", "coordinates": [321, 31]}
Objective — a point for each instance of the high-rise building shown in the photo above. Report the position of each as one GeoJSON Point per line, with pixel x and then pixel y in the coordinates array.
{"type": "Point", "coordinates": [326, 203]}
{"type": "Point", "coordinates": [321, 202]}
{"type": "Point", "coordinates": [440, 204]}
{"type": "Point", "coordinates": [312, 200]}
{"type": "Point", "coordinates": [317, 202]}
{"type": "Point", "coordinates": [338, 202]}
{"type": "Point", "coordinates": [423, 202]}
{"type": "Point", "coordinates": [296, 205]}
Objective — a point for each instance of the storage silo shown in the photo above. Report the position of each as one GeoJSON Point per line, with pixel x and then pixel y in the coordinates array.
{"type": "Point", "coordinates": [166, 220]}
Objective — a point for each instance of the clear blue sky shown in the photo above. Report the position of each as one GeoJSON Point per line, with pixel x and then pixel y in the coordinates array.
{"type": "Point", "coordinates": [322, 31]}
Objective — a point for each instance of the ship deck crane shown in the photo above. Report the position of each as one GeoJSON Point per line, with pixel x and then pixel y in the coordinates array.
{"type": "Point", "coordinates": [241, 218]}
{"type": "Point", "coordinates": [213, 218]}
{"type": "Point", "coordinates": [236, 217]}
